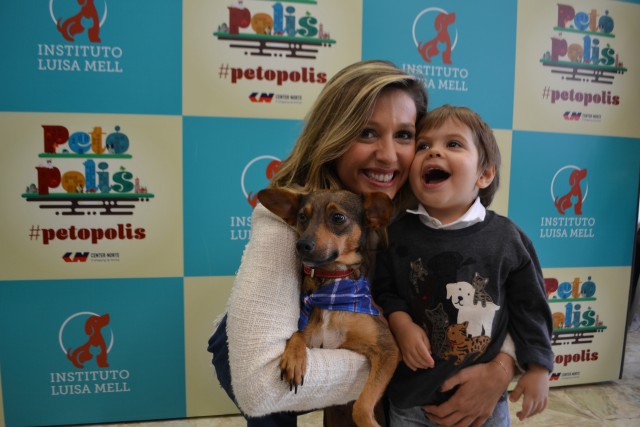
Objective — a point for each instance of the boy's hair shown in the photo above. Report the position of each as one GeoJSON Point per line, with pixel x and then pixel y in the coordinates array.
{"type": "Point", "coordinates": [337, 118]}
{"type": "Point", "coordinates": [488, 151]}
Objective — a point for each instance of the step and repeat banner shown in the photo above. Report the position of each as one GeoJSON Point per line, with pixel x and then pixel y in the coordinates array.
{"type": "Point", "coordinates": [137, 134]}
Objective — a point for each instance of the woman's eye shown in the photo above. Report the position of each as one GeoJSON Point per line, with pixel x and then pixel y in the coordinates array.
{"type": "Point", "coordinates": [367, 134]}
{"type": "Point", "coordinates": [405, 135]}
{"type": "Point", "coordinates": [338, 218]}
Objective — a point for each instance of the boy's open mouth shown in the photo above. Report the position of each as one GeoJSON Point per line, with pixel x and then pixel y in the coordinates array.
{"type": "Point", "coordinates": [435, 176]}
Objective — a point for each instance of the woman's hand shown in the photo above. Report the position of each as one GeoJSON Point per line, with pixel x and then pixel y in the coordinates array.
{"type": "Point", "coordinates": [480, 388]}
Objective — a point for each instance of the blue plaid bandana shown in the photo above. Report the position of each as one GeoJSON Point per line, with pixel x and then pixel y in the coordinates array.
{"type": "Point", "coordinates": [341, 295]}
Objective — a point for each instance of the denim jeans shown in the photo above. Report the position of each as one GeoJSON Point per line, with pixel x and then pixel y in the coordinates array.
{"type": "Point", "coordinates": [415, 416]}
{"type": "Point", "coordinates": [220, 349]}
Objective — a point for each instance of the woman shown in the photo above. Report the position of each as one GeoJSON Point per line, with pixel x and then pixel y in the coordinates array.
{"type": "Point", "coordinates": [360, 136]}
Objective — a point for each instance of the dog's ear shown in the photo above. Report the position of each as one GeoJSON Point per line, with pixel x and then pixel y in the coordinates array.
{"type": "Point", "coordinates": [378, 210]}
{"type": "Point", "coordinates": [281, 202]}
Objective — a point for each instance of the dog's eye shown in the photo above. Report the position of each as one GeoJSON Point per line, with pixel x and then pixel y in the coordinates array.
{"type": "Point", "coordinates": [302, 217]}
{"type": "Point", "coordinates": [338, 218]}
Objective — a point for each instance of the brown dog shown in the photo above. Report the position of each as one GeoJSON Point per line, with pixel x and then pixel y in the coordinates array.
{"type": "Point", "coordinates": [333, 240]}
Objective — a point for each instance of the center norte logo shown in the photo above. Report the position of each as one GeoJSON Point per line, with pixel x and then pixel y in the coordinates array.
{"type": "Point", "coordinates": [435, 36]}
{"type": "Point", "coordinates": [583, 51]}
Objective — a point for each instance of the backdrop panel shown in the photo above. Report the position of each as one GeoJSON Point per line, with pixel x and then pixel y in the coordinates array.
{"type": "Point", "coordinates": [96, 349]}
{"type": "Point", "coordinates": [137, 134]}
{"type": "Point", "coordinates": [91, 196]}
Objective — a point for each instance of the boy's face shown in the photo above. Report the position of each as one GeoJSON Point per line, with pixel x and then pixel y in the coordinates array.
{"type": "Point", "coordinates": [444, 175]}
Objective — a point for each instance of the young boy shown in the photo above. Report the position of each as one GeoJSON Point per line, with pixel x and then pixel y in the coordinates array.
{"type": "Point", "coordinates": [457, 277]}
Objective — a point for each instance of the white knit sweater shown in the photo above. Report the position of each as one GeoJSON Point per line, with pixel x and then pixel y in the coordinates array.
{"type": "Point", "coordinates": [263, 312]}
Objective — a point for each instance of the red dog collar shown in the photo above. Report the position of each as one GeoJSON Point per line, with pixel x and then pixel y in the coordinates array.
{"type": "Point", "coordinates": [328, 274]}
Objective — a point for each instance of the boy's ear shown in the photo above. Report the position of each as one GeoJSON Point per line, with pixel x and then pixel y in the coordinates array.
{"type": "Point", "coordinates": [486, 177]}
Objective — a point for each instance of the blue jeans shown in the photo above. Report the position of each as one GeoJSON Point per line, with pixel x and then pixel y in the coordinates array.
{"type": "Point", "coordinates": [415, 416]}
{"type": "Point", "coordinates": [219, 347]}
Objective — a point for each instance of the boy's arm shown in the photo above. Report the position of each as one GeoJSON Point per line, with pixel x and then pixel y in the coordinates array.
{"type": "Point", "coordinates": [530, 321]}
{"type": "Point", "coordinates": [534, 385]}
{"type": "Point", "coordinates": [412, 340]}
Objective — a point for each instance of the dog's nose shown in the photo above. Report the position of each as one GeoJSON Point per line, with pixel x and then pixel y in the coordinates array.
{"type": "Point", "coordinates": [305, 246]}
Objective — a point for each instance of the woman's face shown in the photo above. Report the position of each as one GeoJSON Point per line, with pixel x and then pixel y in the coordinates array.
{"type": "Point", "coordinates": [380, 158]}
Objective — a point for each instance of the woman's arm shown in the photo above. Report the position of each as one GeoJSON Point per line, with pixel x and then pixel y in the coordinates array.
{"type": "Point", "coordinates": [480, 388]}
{"type": "Point", "coordinates": [263, 312]}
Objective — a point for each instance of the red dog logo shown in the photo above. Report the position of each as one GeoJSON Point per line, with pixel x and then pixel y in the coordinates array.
{"type": "Point", "coordinates": [565, 202]}
{"type": "Point", "coordinates": [73, 25]}
{"type": "Point", "coordinates": [430, 48]}
{"type": "Point", "coordinates": [270, 172]}
{"type": "Point", "coordinates": [93, 328]}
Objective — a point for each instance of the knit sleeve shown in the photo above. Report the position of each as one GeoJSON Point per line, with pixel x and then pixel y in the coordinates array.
{"type": "Point", "coordinates": [263, 312]}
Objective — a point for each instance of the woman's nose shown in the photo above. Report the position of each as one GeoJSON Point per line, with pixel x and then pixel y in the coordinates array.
{"type": "Point", "coordinates": [386, 151]}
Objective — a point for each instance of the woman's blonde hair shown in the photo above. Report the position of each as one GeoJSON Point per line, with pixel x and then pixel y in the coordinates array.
{"type": "Point", "coordinates": [488, 151]}
{"type": "Point", "coordinates": [337, 118]}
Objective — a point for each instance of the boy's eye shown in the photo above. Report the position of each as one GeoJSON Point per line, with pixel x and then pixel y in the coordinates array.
{"type": "Point", "coordinates": [422, 146]}
{"type": "Point", "coordinates": [454, 144]}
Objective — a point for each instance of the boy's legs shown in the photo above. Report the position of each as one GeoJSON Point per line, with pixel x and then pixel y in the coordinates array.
{"type": "Point", "coordinates": [410, 417]}
{"type": "Point", "coordinates": [413, 417]}
{"type": "Point", "coordinates": [500, 416]}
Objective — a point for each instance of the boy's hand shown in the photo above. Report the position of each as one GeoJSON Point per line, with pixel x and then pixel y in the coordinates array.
{"type": "Point", "coordinates": [534, 384]}
{"type": "Point", "coordinates": [412, 340]}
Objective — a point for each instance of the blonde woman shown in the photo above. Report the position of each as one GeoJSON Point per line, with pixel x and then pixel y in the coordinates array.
{"type": "Point", "coordinates": [360, 136]}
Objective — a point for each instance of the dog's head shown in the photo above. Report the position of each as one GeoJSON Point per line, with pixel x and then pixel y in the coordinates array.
{"type": "Point", "coordinates": [461, 293]}
{"type": "Point", "coordinates": [332, 225]}
{"type": "Point", "coordinates": [577, 176]}
{"type": "Point", "coordinates": [95, 323]}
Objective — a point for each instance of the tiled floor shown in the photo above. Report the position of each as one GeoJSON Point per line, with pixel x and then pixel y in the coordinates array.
{"type": "Point", "coordinates": [615, 403]}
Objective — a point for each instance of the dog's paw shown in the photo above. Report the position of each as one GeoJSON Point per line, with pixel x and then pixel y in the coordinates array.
{"type": "Point", "coordinates": [292, 370]}
{"type": "Point", "coordinates": [293, 364]}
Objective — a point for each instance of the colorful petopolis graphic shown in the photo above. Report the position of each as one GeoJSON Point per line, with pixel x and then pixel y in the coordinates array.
{"type": "Point", "coordinates": [590, 57]}
{"type": "Point", "coordinates": [265, 58]}
{"type": "Point", "coordinates": [575, 319]}
{"type": "Point", "coordinates": [575, 68]}
{"type": "Point", "coordinates": [95, 188]}
{"type": "Point", "coordinates": [285, 32]}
